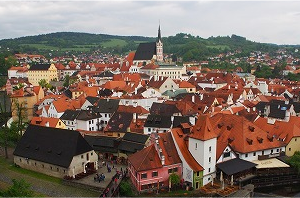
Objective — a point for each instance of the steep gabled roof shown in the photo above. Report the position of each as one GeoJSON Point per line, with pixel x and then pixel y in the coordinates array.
{"type": "Point", "coordinates": [168, 148]}
{"type": "Point", "coordinates": [119, 122]}
{"type": "Point", "coordinates": [70, 115]}
{"type": "Point", "coordinates": [145, 51]}
{"type": "Point", "coordinates": [158, 121]}
{"type": "Point", "coordinates": [180, 139]}
{"type": "Point", "coordinates": [40, 67]}
{"type": "Point", "coordinates": [43, 121]}
{"type": "Point", "coordinates": [203, 129]}
{"type": "Point", "coordinates": [242, 135]}
{"type": "Point", "coordinates": [146, 159]}
{"type": "Point", "coordinates": [107, 105]}
{"type": "Point", "coordinates": [163, 109]}
{"type": "Point", "coordinates": [51, 145]}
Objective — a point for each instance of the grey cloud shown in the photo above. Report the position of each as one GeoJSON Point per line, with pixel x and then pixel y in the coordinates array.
{"type": "Point", "coordinates": [261, 21]}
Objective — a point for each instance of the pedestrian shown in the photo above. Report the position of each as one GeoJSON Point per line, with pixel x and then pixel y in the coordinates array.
{"type": "Point", "coordinates": [116, 180]}
{"type": "Point", "coordinates": [121, 169]}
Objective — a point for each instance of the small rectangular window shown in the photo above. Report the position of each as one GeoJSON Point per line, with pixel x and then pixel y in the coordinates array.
{"type": "Point", "coordinates": [154, 174]}
{"type": "Point", "coordinates": [144, 176]}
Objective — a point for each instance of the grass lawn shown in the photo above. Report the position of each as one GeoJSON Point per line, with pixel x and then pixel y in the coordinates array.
{"type": "Point", "coordinates": [221, 47]}
{"type": "Point", "coordinates": [114, 43]}
{"type": "Point", "coordinates": [40, 181]}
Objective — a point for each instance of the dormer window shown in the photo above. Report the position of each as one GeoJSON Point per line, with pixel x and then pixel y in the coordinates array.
{"type": "Point", "coordinates": [259, 139]}
{"type": "Point", "coordinates": [251, 128]}
{"type": "Point", "coordinates": [249, 141]}
{"type": "Point", "coordinates": [229, 127]}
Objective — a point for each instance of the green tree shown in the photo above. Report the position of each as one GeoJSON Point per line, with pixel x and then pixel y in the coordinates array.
{"type": "Point", "coordinates": [174, 178]}
{"type": "Point", "coordinates": [125, 189]}
{"type": "Point", "coordinates": [43, 83]}
{"type": "Point", "coordinates": [20, 111]}
{"type": "Point", "coordinates": [66, 81]}
{"type": "Point", "coordinates": [19, 188]}
{"type": "Point", "coordinates": [294, 161]}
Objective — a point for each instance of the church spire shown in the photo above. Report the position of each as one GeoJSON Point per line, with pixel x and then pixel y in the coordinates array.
{"type": "Point", "coordinates": [159, 34]}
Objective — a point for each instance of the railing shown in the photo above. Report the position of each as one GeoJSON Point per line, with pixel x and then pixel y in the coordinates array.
{"type": "Point", "coordinates": [263, 157]}
{"type": "Point", "coordinates": [112, 189]}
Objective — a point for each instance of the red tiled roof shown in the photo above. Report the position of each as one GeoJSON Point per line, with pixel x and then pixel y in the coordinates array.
{"type": "Point", "coordinates": [41, 121]}
{"type": "Point", "coordinates": [132, 109]}
{"type": "Point", "coordinates": [244, 134]}
{"type": "Point", "coordinates": [181, 140]}
{"type": "Point", "coordinates": [145, 159]}
{"type": "Point", "coordinates": [284, 130]}
{"type": "Point", "coordinates": [203, 129]}
{"type": "Point", "coordinates": [167, 145]}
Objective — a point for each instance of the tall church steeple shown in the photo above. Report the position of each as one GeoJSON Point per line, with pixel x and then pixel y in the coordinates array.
{"type": "Point", "coordinates": [159, 34]}
{"type": "Point", "coordinates": [159, 47]}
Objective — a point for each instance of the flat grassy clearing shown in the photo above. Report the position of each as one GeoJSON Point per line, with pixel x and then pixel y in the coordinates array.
{"type": "Point", "coordinates": [114, 43]}
{"type": "Point", "coordinates": [222, 47]}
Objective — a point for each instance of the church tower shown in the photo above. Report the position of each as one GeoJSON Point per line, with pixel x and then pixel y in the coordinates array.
{"type": "Point", "coordinates": [159, 47]}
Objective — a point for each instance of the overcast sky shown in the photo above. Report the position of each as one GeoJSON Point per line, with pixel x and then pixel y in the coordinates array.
{"type": "Point", "coordinates": [261, 21]}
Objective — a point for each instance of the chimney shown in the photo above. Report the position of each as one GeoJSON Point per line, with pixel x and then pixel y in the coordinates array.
{"type": "Point", "coordinates": [193, 98]}
{"type": "Point", "coordinates": [47, 124]}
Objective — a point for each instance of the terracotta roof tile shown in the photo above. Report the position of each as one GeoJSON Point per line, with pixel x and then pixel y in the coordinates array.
{"type": "Point", "coordinates": [243, 133]}
{"type": "Point", "coordinates": [203, 129]}
{"type": "Point", "coordinates": [145, 159]}
{"type": "Point", "coordinates": [181, 140]}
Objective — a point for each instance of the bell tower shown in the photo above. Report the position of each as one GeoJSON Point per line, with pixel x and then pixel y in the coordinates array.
{"type": "Point", "coordinates": [159, 47]}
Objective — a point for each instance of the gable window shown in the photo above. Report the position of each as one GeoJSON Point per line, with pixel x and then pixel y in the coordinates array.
{"type": "Point", "coordinates": [198, 173]}
{"type": "Point", "coordinates": [226, 154]}
{"type": "Point", "coordinates": [144, 176]}
{"type": "Point", "coordinates": [170, 170]}
{"type": "Point", "coordinates": [209, 170]}
{"type": "Point", "coordinates": [154, 174]}
{"type": "Point", "coordinates": [290, 149]}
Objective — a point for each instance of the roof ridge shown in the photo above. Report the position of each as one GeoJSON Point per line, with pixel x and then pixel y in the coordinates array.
{"type": "Point", "coordinates": [145, 156]}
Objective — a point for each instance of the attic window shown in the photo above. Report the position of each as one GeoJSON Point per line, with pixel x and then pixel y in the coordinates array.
{"type": "Point", "coordinates": [259, 139]}
{"type": "Point", "coordinates": [270, 138]}
{"type": "Point", "coordinates": [251, 128]}
{"type": "Point", "coordinates": [198, 128]}
{"type": "Point", "coordinates": [37, 148]}
{"type": "Point", "coordinates": [59, 153]}
{"type": "Point", "coordinates": [220, 125]}
{"type": "Point", "coordinates": [49, 150]}
{"type": "Point", "coordinates": [230, 139]}
{"type": "Point", "coordinates": [27, 146]}
{"type": "Point", "coordinates": [249, 141]}
{"type": "Point", "coordinates": [229, 127]}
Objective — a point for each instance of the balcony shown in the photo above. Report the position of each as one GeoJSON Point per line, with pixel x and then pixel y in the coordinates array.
{"type": "Point", "coordinates": [263, 157]}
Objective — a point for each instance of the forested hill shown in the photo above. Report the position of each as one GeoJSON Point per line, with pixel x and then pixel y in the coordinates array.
{"type": "Point", "coordinates": [187, 46]}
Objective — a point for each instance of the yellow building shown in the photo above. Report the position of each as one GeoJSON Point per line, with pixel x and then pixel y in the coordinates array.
{"type": "Point", "coordinates": [25, 98]}
{"type": "Point", "coordinates": [42, 71]}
